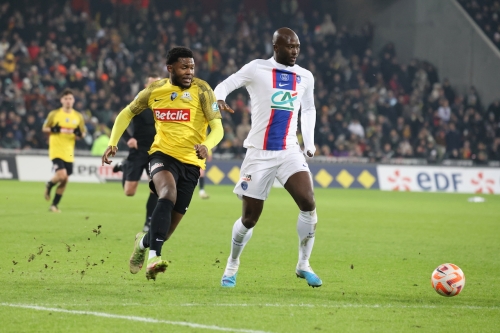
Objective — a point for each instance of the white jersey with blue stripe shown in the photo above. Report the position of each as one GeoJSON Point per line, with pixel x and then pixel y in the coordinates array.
{"type": "Point", "coordinates": [277, 93]}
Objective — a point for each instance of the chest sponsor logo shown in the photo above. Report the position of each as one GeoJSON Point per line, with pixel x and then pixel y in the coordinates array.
{"type": "Point", "coordinates": [283, 100]}
{"type": "Point", "coordinates": [172, 114]}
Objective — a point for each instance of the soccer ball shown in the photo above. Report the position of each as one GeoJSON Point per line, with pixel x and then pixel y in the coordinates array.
{"type": "Point", "coordinates": [448, 280]}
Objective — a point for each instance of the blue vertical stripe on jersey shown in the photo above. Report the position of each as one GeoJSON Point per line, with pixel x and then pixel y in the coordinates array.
{"type": "Point", "coordinates": [277, 130]}
{"type": "Point", "coordinates": [284, 79]}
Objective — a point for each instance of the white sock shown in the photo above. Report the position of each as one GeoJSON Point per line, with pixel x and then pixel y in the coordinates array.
{"type": "Point", "coordinates": [152, 254]}
{"type": "Point", "coordinates": [241, 236]}
{"type": "Point", "coordinates": [141, 244]}
{"type": "Point", "coordinates": [306, 229]}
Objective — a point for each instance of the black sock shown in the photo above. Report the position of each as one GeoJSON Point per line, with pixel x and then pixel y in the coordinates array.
{"type": "Point", "coordinates": [50, 185]}
{"type": "Point", "coordinates": [57, 198]}
{"type": "Point", "coordinates": [202, 183]}
{"type": "Point", "coordinates": [150, 207]}
{"type": "Point", "coordinates": [160, 224]}
{"type": "Point", "coordinates": [122, 169]}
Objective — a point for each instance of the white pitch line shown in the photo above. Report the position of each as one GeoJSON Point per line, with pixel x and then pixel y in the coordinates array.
{"type": "Point", "coordinates": [132, 318]}
{"type": "Point", "coordinates": [301, 305]}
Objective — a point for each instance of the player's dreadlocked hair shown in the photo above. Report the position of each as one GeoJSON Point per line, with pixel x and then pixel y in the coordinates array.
{"type": "Point", "coordinates": [178, 52]}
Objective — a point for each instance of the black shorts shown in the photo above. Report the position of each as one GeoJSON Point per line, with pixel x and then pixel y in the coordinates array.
{"type": "Point", "coordinates": [137, 162]}
{"type": "Point", "coordinates": [185, 175]}
{"type": "Point", "coordinates": [58, 164]}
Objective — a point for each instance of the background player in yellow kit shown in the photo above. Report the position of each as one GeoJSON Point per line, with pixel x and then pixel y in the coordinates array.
{"type": "Point", "coordinates": [64, 125]}
{"type": "Point", "coordinates": [183, 106]}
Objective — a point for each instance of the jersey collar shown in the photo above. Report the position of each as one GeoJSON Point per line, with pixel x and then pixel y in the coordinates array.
{"type": "Point", "coordinates": [278, 65]}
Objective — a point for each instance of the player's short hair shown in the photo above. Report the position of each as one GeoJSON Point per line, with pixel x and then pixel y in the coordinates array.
{"type": "Point", "coordinates": [66, 92]}
{"type": "Point", "coordinates": [178, 52]}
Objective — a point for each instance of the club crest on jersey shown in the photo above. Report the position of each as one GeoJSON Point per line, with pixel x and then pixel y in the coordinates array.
{"type": "Point", "coordinates": [187, 96]}
{"type": "Point", "coordinates": [173, 96]}
{"type": "Point", "coordinates": [244, 186]}
{"type": "Point", "coordinates": [67, 120]}
{"type": "Point", "coordinates": [298, 79]}
{"type": "Point", "coordinates": [284, 79]}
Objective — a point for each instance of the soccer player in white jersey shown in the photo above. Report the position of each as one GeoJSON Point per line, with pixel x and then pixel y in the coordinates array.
{"type": "Point", "coordinates": [278, 88]}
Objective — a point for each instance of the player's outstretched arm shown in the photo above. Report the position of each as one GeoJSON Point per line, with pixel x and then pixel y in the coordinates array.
{"type": "Point", "coordinates": [237, 80]}
{"type": "Point", "coordinates": [121, 124]}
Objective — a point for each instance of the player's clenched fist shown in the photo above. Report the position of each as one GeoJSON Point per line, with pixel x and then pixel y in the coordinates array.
{"type": "Point", "coordinates": [201, 151]}
{"type": "Point", "coordinates": [110, 151]}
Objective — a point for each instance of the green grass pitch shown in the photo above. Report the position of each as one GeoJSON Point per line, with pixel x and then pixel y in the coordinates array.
{"type": "Point", "coordinates": [375, 252]}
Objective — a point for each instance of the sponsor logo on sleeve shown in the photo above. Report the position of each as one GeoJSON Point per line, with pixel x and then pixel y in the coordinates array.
{"type": "Point", "coordinates": [215, 106]}
{"type": "Point", "coordinates": [244, 186]}
{"type": "Point", "coordinates": [177, 115]}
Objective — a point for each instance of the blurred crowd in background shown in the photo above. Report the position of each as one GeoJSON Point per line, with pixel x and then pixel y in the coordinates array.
{"type": "Point", "coordinates": [368, 104]}
{"type": "Point", "coordinates": [486, 13]}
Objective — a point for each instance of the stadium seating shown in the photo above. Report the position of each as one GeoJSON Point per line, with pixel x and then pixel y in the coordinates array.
{"type": "Point", "coordinates": [369, 105]}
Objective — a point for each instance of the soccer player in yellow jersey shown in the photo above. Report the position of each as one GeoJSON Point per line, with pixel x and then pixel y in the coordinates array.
{"type": "Point", "coordinates": [183, 106]}
{"type": "Point", "coordinates": [64, 125]}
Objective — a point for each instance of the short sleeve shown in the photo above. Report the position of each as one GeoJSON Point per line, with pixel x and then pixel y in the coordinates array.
{"type": "Point", "coordinates": [49, 122]}
{"type": "Point", "coordinates": [141, 101]}
{"type": "Point", "coordinates": [81, 125]}
{"type": "Point", "coordinates": [208, 102]}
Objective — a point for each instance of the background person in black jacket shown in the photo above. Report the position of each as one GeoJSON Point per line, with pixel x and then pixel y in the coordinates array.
{"type": "Point", "coordinates": [140, 141]}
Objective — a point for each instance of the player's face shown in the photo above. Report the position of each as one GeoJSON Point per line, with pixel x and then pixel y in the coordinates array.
{"type": "Point", "coordinates": [67, 101]}
{"type": "Point", "coordinates": [182, 72]}
{"type": "Point", "coordinates": [287, 50]}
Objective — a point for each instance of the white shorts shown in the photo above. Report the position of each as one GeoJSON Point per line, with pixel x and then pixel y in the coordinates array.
{"type": "Point", "coordinates": [261, 167]}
